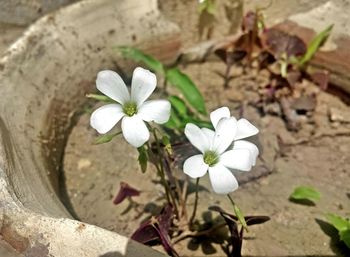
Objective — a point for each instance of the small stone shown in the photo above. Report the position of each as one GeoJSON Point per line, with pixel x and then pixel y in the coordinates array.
{"type": "Point", "coordinates": [337, 115]}
{"type": "Point", "coordinates": [265, 121]}
{"type": "Point", "coordinates": [335, 124]}
{"type": "Point", "coordinates": [83, 164]}
{"type": "Point", "coordinates": [273, 108]}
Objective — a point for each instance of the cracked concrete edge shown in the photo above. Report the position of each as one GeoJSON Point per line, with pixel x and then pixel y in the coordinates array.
{"type": "Point", "coordinates": [32, 218]}
{"type": "Point", "coordinates": [36, 235]}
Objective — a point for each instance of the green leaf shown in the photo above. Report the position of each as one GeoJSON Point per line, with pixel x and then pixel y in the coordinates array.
{"type": "Point", "coordinates": [338, 222]}
{"type": "Point", "coordinates": [174, 121]}
{"type": "Point", "coordinates": [143, 158]}
{"type": "Point", "coordinates": [182, 114]}
{"type": "Point", "coordinates": [102, 98]}
{"type": "Point", "coordinates": [179, 105]}
{"type": "Point", "coordinates": [345, 237]}
{"type": "Point", "coordinates": [315, 44]}
{"type": "Point", "coordinates": [139, 56]}
{"type": "Point", "coordinates": [188, 89]}
{"type": "Point", "coordinates": [305, 193]}
{"type": "Point", "coordinates": [105, 138]}
{"type": "Point", "coordinates": [342, 225]}
{"type": "Point", "coordinates": [199, 123]}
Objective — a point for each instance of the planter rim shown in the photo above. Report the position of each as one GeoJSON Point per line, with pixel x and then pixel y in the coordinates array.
{"type": "Point", "coordinates": [28, 222]}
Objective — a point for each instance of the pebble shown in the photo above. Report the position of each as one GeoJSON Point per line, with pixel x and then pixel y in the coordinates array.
{"type": "Point", "coordinates": [83, 164]}
{"type": "Point", "coordinates": [337, 115]}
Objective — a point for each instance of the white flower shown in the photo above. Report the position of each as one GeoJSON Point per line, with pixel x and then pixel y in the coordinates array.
{"type": "Point", "coordinates": [132, 108]}
{"type": "Point", "coordinates": [213, 146]}
{"type": "Point", "coordinates": [244, 129]}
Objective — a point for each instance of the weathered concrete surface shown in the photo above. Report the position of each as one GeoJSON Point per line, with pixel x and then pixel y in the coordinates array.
{"type": "Point", "coordinates": [43, 80]}
{"type": "Point", "coordinates": [9, 34]}
{"type": "Point", "coordinates": [186, 15]}
{"type": "Point", "coordinates": [22, 12]}
{"type": "Point", "coordinates": [34, 235]}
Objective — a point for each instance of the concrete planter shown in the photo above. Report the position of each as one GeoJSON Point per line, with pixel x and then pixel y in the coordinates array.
{"type": "Point", "coordinates": [22, 12]}
{"type": "Point", "coordinates": [43, 79]}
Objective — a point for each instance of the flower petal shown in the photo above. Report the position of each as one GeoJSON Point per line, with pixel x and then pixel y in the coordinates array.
{"type": "Point", "coordinates": [239, 159]}
{"type": "Point", "coordinates": [106, 117]}
{"type": "Point", "coordinates": [245, 129]}
{"type": "Point", "coordinates": [142, 85]}
{"type": "Point", "coordinates": [222, 180]}
{"type": "Point", "coordinates": [197, 138]}
{"type": "Point", "coordinates": [112, 85]}
{"type": "Point", "coordinates": [155, 110]}
{"type": "Point", "coordinates": [195, 166]}
{"type": "Point", "coordinates": [243, 144]}
{"type": "Point", "coordinates": [134, 130]}
{"type": "Point", "coordinates": [218, 114]}
{"type": "Point", "coordinates": [209, 134]}
{"type": "Point", "coordinates": [224, 134]}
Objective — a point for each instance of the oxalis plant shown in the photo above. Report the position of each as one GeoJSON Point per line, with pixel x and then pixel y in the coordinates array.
{"type": "Point", "coordinates": [221, 150]}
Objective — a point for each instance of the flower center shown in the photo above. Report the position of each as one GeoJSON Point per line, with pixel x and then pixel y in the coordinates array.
{"type": "Point", "coordinates": [130, 108]}
{"type": "Point", "coordinates": [211, 158]}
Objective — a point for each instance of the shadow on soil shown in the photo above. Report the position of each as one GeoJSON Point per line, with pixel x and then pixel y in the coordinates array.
{"type": "Point", "coordinates": [338, 247]}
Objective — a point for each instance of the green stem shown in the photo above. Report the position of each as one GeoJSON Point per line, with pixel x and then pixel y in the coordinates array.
{"type": "Point", "coordinates": [238, 213]}
{"type": "Point", "coordinates": [165, 85]}
{"type": "Point", "coordinates": [195, 204]}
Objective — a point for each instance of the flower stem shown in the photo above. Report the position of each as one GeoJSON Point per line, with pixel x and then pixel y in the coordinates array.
{"type": "Point", "coordinates": [162, 174]}
{"type": "Point", "coordinates": [238, 213]}
{"type": "Point", "coordinates": [175, 182]}
{"type": "Point", "coordinates": [165, 85]}
{"type": "Point", "coordinates": [195, 204]}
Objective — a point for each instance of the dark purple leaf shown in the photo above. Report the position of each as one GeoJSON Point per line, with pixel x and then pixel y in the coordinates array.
{"type": "Point", "coordinates": [321, 79]}
{"type": "Point", "coordinates": [146, 233]}
{"type": "Point", "coordinates": [221, 53]}
{"type": "Point", "coordinates": [221, 211]}
{"type": "Point", "coordinates": [235, 56]}
{"type": "Point", "coordinates": [265, 59]}
{"type": "Point", "coordinates": [165, 240]}
{"type": "Point", "coordinates": [235, 236]}
{"type": "Point", "coordinates": [156, 230]}
{"type": "Point", "coordinates": [255, 220]}
{"type": "Point", "coordinates": [304, 103]}
{"type": "Point", "coordinates": [278, 42]}
{"type": "Point", "coordinates": [251, 220]}
{"type": "Point", "coordinates": [165, 218]}
{"type": "Point", "coordinates": [125, 191]}
{"type": "Point", "coordinates": [230, 57]}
